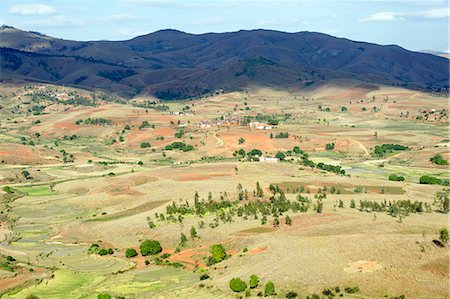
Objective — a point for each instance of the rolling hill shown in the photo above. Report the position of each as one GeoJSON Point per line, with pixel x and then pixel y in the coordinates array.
{"type": "Point", "coordinates": [171, 64]}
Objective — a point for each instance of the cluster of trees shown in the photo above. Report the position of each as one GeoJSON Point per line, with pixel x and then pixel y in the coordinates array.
{"type": "Point", "coordinates": [332, 292]}
{"type": "Point", "coordinates": [94, 121]}
{"type": "Point", "coordinates": [429, 180]}
{"type": "Point", "coordinates": [179, 145]}
{"type": "Point", "coordinates": [95, 248]}
{"type": "Point", "coordinates": [146, 124]}
{"type": "Point", "coordinates": [251, 155]}
{"type": "Point", "coordinates": [147, 247]}
{"type": "Point", "coordinates": [225, 209]}
{"type": "Point", "coordinates": [280, 135]}
{"type": "Point", "coordinates": [382, 150]}
{"type": "Point", "coordinates": [331, 168]}
{"type": "Point", "coordinates": [327, 167]}
{"type": "Point", "coordinates": [439, 160]}
{"type": "Point", "coordinates": [395, 208]}
{"type": "Point", "coordinates": [238, 285]}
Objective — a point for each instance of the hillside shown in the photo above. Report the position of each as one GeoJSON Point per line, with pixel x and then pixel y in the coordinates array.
{"type": "Point", "coordinates": [171, 64]}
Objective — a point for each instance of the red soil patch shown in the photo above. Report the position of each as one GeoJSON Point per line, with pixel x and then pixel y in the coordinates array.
{"type": "Point", "coordinates": [186, 257]}
{"type": "Point", "coordinates": [439, 267]}
{"type": "Point", "coordinates": [258, 250]}
{"type": "Point", "coordinates": [198, 177]}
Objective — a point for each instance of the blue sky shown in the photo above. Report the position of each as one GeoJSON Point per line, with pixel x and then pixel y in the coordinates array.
{"type": "Point", "coordinates": [414, 25]}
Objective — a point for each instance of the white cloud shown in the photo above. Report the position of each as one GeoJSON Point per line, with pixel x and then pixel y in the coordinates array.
{"type": "Point", "coordinates": [32, 9]}
{"type": "Point", "coordinates": [437, 13]}
{"type": "Point", "coordinates": [383, 16]}
{"type": "Point", "coordinates": [56, 21]}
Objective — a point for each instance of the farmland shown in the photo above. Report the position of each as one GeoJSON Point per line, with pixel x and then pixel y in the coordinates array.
{"type": "Point", "coordinates": [323, 211]}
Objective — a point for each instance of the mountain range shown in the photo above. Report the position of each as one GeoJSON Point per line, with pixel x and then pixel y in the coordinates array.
{"type": "Point", "coordinates": [171, 64]}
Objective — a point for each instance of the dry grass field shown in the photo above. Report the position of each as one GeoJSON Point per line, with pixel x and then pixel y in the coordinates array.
{"type": "Point", "coordinates": [74, 174]}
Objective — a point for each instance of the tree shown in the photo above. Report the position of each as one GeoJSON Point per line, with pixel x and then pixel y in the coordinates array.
{"type": "Point", "coordinates": [281, 156]}
{"type": "Point", "coordinates": [341, 204]}
{"type": "Point", "coordinates": [103, 296]}
{"type": "Point", "coordinates": [259, 190]}
{"type": "Point", "coordinates": [150, 247]}
{"type": "Point", "coordinates": [288, 220]}
{"type": "Point", "coordinates": [26, 174]}
{"type": "Point", "coordinates": [237, 285]}
{"type": "Point", "coordinates": [183, 240]}
{"type": "Point", "coordinates": [145, 144]}
{"type": "Point", "coordinates": [241, 140]}
{"type": "Point", "coordinates": [443, 236]}
{"type": "Point", "coordinates": [329, 146]}
{"type": "Point", "coordinates": [131, 252]}
{"type": "Point", "coordinates": [441, 201]}
{"type": "Point", "coordinates": [439, 160]}
{"type": "Point", "coordinates": [254, 281]}
{"type": "Point", "coordinates": [269, 289]}
{"type": "Point", "coordinates": [193, 232]}
{"type": "Point", "coordinates": [218, 253]}
{"type": "Point", "coordinates": [319, 206]}
{"type": "Point", "coordinates": [352, 204]}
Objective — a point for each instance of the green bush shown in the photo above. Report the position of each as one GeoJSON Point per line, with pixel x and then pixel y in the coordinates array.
{"type": "Point", "coordinates": [439, 160]}
{"type": "Point", "coordinates": [131, 252]}
{"type": "Point", "coordinates": [103, 251]}
{"type": "Point", "coordinates": [443, 236]}
{"type": "Point", "coordinates": [145, 144]}
{"type": "Point", "coordinates": [218, 254]}
{"type": "Point", "coordinates": [291, 295]}
{"type": "Point", "coordinates": [254, 281]}
{"type": "Point", "coordinates": [397, 178]}
{"type": "Point", "coordinates": [237, 285]}
{"type": "Point", "coordinates": [150, 247]}
{"type": "Point", "coordinates": [352, 290]}
{"type": "Point", "coordinates": [103, 296]}
{"type": "Point", "coordinates": [269, 289]}
{"type": "Point", "coordinates": [426, 179]}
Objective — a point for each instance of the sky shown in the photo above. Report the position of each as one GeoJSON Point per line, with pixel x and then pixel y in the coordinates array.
{"type": "Point", "coordinates": [414, 25]}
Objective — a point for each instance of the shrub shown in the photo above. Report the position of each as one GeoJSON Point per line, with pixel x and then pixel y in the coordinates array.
{"type": "Point", "coordinates": [439, 160]}
{"type": "Point", "coordinates": [150, 247]}
{"type": "Point", "coordinates": [426, 179]}
{"type": "Point", "coordinates": [131, 252]}
{"type": "Point", "coordinates": [103, 296]}
{"type": "Point", "coordinates": [102, 252]}
{"type": "Point", "coordinates": [443, 236]}
{"type": "Point", "coordinates": [145, 144]}
{"type": "Point", "coordinates": [329, 146]}
{"type": "Point", "coordinates": [352, 290]}
{"type": "Point", "coordinates": [254, 281]}
{"type": "Point", "coordinates": [237, 285]}
{"type": "Point", "coordinates": [218, 253]}
{"type": "Point", "coordinates": [398, 178]}
{"type": "Point", "coordinates": [204, 276]}
{"type": "Point", "coordinates": [269, 289]}
{"type": "Point", "coordinates": [291, 295]}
